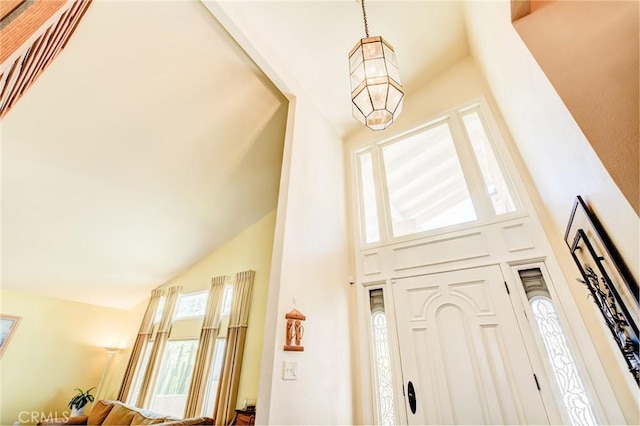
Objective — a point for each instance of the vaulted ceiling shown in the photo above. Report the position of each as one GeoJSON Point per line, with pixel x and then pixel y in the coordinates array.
{"type": "Point", "coordinates": [152, 139]}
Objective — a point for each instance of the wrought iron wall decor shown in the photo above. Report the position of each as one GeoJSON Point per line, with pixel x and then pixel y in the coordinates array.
{"type": "Point", "coordinates": [612, 287]}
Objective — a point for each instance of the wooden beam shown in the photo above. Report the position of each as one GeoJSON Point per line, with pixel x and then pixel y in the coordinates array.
{"type": "Point", "coordinates": [24, 62]}
{"type": "Point", "coordinates": [14, 35]}
{"type": "Point", "coordinates": [519, 9]}
{"type": "Point", "coordinates": [8, 6]}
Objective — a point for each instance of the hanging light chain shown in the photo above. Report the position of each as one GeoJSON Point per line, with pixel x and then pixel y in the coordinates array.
{"type": "Point", "coordinates": [364, 15]}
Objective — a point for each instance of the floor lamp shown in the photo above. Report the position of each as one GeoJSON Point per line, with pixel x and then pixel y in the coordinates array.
{"type": "Point", "coordinates": [110, 352]}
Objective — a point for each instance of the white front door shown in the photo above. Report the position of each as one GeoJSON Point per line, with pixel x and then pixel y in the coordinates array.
{"type": "Point", "coordinates": [462, 351]}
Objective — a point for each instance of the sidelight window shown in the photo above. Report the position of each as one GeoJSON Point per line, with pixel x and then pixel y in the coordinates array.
{"type": "Point", "coordinates": [494, 180]}
{"type": "Point", "coordinates": [383, 378]}
{"type": "Point", "coordinates": [368, 199]}
{"type": "Point", "coordinates": [556, 344]}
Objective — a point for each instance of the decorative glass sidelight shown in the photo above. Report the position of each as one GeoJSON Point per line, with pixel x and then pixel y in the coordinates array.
{"type": "Point", "coordinates": [565, 370]}
{"type": "Point", "coordinates": [383, 377]}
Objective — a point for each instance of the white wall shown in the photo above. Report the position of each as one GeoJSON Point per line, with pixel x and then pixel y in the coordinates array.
{"type": "Point", "coordinates": [561, 164]}
{"type": "Point", "coordinates": [311, 260]}
{"type": "Point", "coordinates": [310, 254]}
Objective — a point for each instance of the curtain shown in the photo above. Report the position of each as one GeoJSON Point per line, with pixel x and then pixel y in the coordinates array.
{"type": "Point", "coordinates": [159, 343]}
{"type": "Point", "coordinates": [230, 376]}
{"type": "Point", "coordinates": [142, 339]}
{"type": "Point", "coordinates": [208, 336]}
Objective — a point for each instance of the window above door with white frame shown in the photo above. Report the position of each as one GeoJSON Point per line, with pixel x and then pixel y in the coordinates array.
{"type": "Point", "coordinates": [441, 176]}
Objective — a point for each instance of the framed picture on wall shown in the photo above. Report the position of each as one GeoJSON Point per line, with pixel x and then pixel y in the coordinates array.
{"type": "Point", "coordinates": [8, 326]}
{"type": "Point", "coordinates": [612, 287]}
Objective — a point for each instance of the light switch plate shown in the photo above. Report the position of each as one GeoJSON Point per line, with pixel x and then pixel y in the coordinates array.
{"type": "Point", "coordinates": [290, 370]}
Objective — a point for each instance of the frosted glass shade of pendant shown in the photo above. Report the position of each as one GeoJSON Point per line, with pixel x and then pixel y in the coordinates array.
{"type": "Point", "coordinates": [376, 91]}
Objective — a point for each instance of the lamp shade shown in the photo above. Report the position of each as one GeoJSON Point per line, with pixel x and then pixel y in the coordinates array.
{"type": "Point", "coordinates": [376, 91]}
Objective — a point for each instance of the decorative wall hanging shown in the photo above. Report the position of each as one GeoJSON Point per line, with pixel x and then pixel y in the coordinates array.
{"type": "Point", "coordinates": [612, 287]}
{"type": "Point", "coordinates": [8, 326]}
{"type": "Point", "coordinates": [294, 331]}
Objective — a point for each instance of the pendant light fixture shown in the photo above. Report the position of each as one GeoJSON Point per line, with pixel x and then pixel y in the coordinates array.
{"type": "Point", "coordinates": [376, 91]}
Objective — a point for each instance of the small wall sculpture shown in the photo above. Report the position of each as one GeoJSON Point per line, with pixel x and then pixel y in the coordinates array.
{"type": "Point", "coordinates": [294, 331]}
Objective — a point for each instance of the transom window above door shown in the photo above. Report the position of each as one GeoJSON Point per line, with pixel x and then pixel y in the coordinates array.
{"type": "Point", "coordinates": [441, 175]}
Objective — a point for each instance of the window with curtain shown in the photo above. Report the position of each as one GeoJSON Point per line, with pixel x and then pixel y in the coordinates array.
{"type": "Point", "coordinates": [214, 377]}
{"type": "Point", "coordinates": [153, 352]}
{"type": "Point", "coordinates": [140, 352]}
{"type": "Point", "coordinates": [212, 333]}
{"type": "Point", "coordinates": [139, 375]}
{"type": "Point", "coordinates": [234, 350]}
{"type": "Point", "coordinates": [174, 374]}
{"type": "Point", "coordinates": [159, 310]}
{"type": "Point", "coordinates": [213, 380]}
{"type": "Point", "coordinates": [172, 384]}
{"type": "Point", "coordinates": [169, 387]}
{"type": "Point", "coordinates": [227, 298]}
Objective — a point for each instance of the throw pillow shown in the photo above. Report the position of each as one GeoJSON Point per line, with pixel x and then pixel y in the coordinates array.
{"type": "Point", "coordinates": [119, 416]}
{"type": "Point", "coordinates": [99, 412]}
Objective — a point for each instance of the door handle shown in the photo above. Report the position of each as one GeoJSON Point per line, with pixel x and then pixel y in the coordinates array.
{"type": "Point", "coordinates": [411, 393]}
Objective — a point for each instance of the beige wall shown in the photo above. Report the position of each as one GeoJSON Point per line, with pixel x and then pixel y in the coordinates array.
{"type": "Point", "coordinates": [119, 362]}
{"type": "Point", "coordinates": [561, 164]}
{"type": "Point", "coordinates": [59, 344]}
{"type": "Point", "coordinates": [57, 347]}
{"type": "Point", "coordinates": [589, 52]}
{"type": "Point", "coordinates": [251, 249]}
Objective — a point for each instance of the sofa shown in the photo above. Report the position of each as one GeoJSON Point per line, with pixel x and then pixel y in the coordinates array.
{"type": "Point", "coordinates": [115, 413]}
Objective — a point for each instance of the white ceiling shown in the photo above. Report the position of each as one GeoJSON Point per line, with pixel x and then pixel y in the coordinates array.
{"type": "Point", "coordinates": [307, 42]}
{"type": "Point", "coordinates": [152, 139]}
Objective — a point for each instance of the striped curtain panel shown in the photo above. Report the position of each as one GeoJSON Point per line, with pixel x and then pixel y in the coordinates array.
{"type": "Point", "coordinates": [208, 336]}
{"type": "Point", "coordinates": [159, 343]}
{"type": "Point", "coordinates": [146, 328]}
{"type": "Point", "coordinates": [236, 334]}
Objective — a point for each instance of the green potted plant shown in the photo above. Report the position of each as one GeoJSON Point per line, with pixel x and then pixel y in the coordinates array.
{"type": "Point", "coordinates": [80, 400]}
